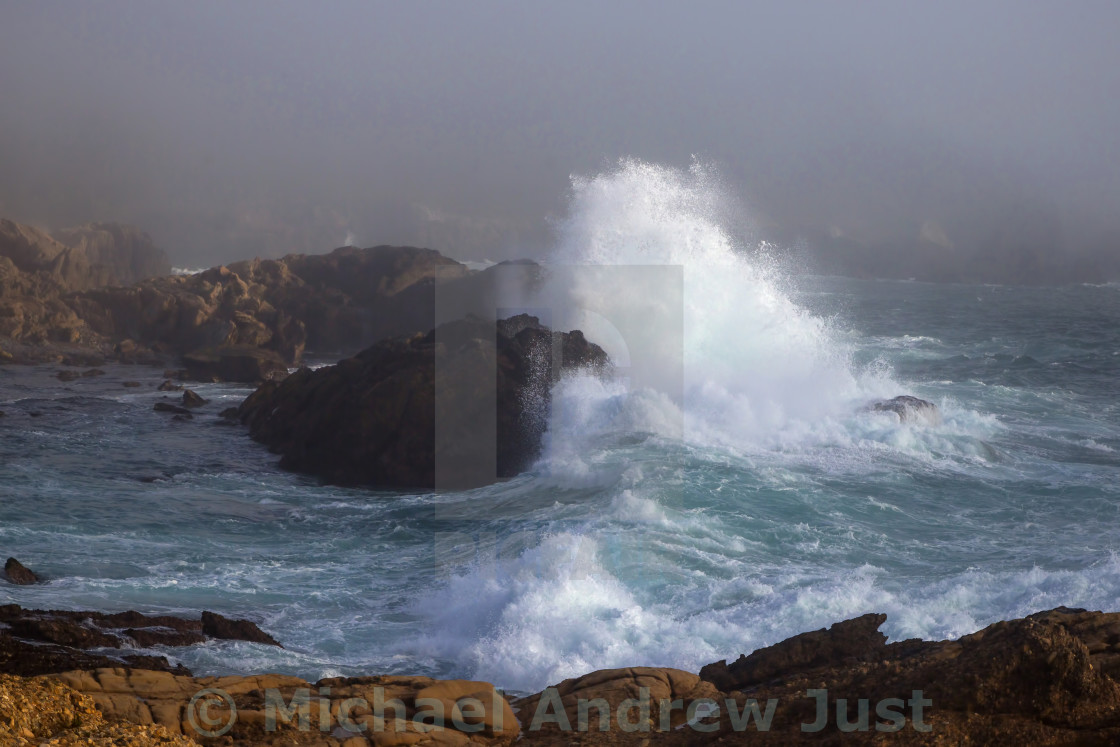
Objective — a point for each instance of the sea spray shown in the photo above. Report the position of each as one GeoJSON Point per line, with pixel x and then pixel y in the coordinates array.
{"type": "Point", "coordinates": [756, 365]}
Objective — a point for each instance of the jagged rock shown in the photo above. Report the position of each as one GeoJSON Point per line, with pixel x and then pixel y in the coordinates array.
{"type": "Point", "coordinates": [190, 399]}
{"type": "Point", "coordinates": [370, 419]}
{"type": "Point", "coordinates": [843, 641]}
{"type": "Point", "coordinates": [39, 272]}
{"type": "Point", "coordinates": [74, 293]}
{"type": "Point", "coordinates": [168, 407]}
{"type": "Point", "coordinates": [169, 386]}
{"type": "Point", "coordinates": [61, 631]}
{"type": "Point", "coordinates": [909, 409]}
{"type": "Point", "coordinates": [41, 641]}
{"type": "Point", "coordinates": [17, 573]}
{"type": "Point", "coordinates": [1040, 679]}
{"type": "Point", "coordinates": [81, 258]}
{"type": "Point", "coordinates": [126, 253]}
{"type": "Point", "coordinates": [337, 301]}
{"type": "Point", "coordinates": [218, 626]}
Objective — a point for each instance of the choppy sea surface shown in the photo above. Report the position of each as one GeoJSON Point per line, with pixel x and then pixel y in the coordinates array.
{"type": "Point", "coordinates": [674, 529]}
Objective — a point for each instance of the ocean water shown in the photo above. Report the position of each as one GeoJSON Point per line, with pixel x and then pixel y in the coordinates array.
{"type": "Point", "coordinates": [754, 501]}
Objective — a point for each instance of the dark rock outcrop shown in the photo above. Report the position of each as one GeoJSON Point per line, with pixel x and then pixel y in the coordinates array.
{"type": "Point", "coordinates": [242, 363]}
{"type": "Point", "coordinates": [168, 407]}
{"type": "Point", "coordinates": [847, 640]}
{"type": "Point", "coordinates": [1045, 678]}
{"type": "Point", "coordinates": [42, 641]}
{"type": "Point", "coordinates": [909, 409]}
{"type": "Point", "coordinates": [218, 626]}
{"type": "Point", "coordinates": [191, 399]}
{"type": "Point", "coordinates": [17, 573]}
{"type": "Point", "coordinates": [371, 419]}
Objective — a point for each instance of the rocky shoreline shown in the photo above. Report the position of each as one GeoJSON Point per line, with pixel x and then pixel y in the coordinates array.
{"type": "Point", "coordinates": [1050, 678]}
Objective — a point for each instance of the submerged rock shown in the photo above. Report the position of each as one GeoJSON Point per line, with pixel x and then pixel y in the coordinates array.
{"type": "Point", "coordinates": [909, 409]}
{"type": "Point", "coordinates": [168, 407]}
{"type": "Point", "coordinates": [371, 419]}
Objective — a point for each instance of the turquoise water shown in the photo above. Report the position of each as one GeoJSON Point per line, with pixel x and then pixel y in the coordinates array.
{"type": "Point", "coordinates": [761, 502]}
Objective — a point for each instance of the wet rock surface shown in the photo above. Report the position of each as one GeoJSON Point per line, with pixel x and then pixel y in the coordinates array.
{"type": "Point", "coordinates": [43, 641]}
{"type": "Point", "coordinates": [371, 419]}
{"type": "Point", "coordinates": [17, 573]}
{"type": "Point", "coordinates": [909, 409]}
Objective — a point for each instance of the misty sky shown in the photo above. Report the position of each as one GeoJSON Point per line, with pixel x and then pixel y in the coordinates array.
{"type": "Point", "coordinates": [258, 128]}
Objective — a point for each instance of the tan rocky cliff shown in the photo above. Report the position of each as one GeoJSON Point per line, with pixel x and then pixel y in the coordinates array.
{"type": "Point", "coordinates": [38, 271]}
{"type": "Point", "coordinates": [105, 290]}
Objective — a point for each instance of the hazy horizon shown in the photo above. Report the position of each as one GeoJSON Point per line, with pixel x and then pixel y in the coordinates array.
{"type": "Point", "coordinates": [950, 141]}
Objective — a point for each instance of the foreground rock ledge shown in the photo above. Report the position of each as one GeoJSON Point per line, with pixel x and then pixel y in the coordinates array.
{"type": "Point", "coordinates": [1045, 679]}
